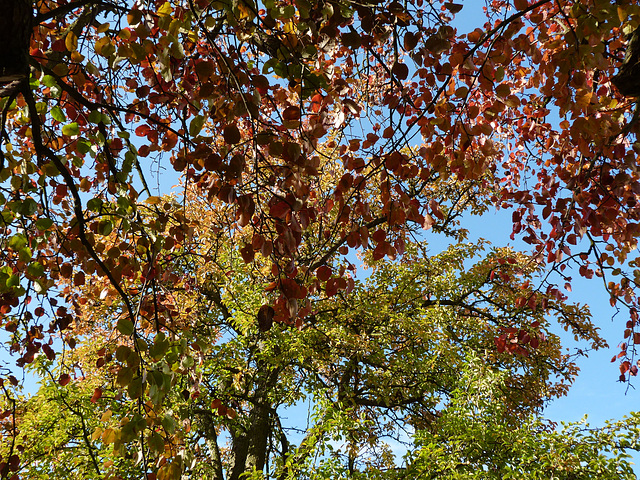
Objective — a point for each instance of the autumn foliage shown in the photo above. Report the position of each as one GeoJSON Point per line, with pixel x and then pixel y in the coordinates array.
{"type": "Point", "coordinates": [298, 134]}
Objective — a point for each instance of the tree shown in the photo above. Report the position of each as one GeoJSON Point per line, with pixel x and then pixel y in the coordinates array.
{"type": "Point", "coordinates": [312, 129]}
{"type": "Point", "coordinates": [411, 350]}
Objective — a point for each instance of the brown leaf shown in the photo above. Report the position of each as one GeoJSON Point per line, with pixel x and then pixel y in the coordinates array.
{"type": "Point", "coordinates": [265, 317]}
{"type": "Point", "coordinates": [231, 134]}
{"type": "Point", "coordinates": [453, 7]}
{"type": "Point", "coordinates": [291, 114]}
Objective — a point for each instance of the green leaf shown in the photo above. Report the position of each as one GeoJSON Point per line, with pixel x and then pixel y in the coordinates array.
{"type": "Point", "coordinates": [95, 116]}
{"type": "Point", "coordinates": [48, 81]}
{"type": "Point", "coordinates": [35, 269]}
{"type": "Point", "coordinates": [84, 146]}
{"type": "Point", "coordinates": [13, 281]}
{"type": "Point", "coordinates": [125, 326]}
{"type": "Point", "coordinates": [95, 204]}
{"type": "Point", "coordinates": [18, 242]}
{"type": "Point", "coordinates": [71, 129]}
{"type": "Point", "coordinates": [196, 125]}
{"type": "Point", "coordinates": [124, 376]}
{"type": "Point", "coordinates": [58, 115]}
{"type": "Point", "coordinates": [44, 224]}
{"type": "Point", "coordinates": [135, 388]}
{"type": "Point", "coordinates": [169, 423]}
{"type": "Point", "coordinates": [105, 227]}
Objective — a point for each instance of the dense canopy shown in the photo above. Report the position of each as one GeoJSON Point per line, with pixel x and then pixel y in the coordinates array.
{"type": "Point", "coordinates": [321, 153]}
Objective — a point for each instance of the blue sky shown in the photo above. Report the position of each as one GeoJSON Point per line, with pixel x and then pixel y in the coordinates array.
{"type": "Point", "coordinates": [596, 391]}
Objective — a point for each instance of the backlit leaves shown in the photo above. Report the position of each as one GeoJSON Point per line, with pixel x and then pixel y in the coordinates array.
{"type": "Point", "coordinates": [303, 133]}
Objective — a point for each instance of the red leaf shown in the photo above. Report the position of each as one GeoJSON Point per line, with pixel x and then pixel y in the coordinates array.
{"type": "Point", "coordinates": [247, 253]}
{"type": "Point", "coordinates": [379, 236]}
{"type": "Point", "coordinates": [624, 367]}
{"type": "Point", "coordinates": [521, 4]}
{"type": "Point", "coordinates": [142, 130]}
{"type": "Point", "coordinates": [97, 393]}
{"type": "Point", "coordinates": [316, 103]}
{"type": "Point", "coordinates": [400, 70]}
{"type": "Point", "coordinates": [280, 210]}
{"type": "Point", "coordinates": [324, 273]}
{"type": "Point", "coordinates": [291, 114]}
{"type": "Point", "coordinates": [204, 69]}
{"type": "Point", "coordinates": [453, 7]}
{"type": "Point", "coordinates": [14, 462]}
{"type": "Point", "coordinates": [332, 287]}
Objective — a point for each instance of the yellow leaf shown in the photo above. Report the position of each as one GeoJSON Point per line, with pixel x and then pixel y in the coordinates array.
{"type": "Point", "coordinates": [289, 27]}
{"type": "Point", "coordinates": [103, 27]}
{"type": "Point", "coordinates": [109, 436]}
{"type": "Point", "coordinates": [71, 42]}
{"type": "Point", "coordinates": [165, 10]}
{"type": "Point", "coordinates": [106, 416]}
{"type": "Point", "coordinates": [622, 14]}
{"type": "Point", "coordinates": [583, 98]}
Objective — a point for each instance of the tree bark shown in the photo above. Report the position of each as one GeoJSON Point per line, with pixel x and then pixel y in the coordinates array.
{"type": "Point", "coordinates": [627, 80]}
{"type": "Point", "coordinates": [15, 36]}
{"type": "Point", "coordinates": [250, 445]}
{"type": "Point", "coordinates": [211, 439]}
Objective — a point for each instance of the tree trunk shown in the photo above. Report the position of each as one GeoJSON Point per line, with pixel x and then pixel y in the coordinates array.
{"type": "Point", "coordinates": [627, 80]}
{"type": "Point", "coordinates": [211, 437]}
{"type": "Point", "coordinates": [15, 36]}
{"type": "Point", "coordinates": [250, 445]}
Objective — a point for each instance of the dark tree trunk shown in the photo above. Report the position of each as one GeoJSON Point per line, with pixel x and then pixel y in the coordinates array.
{"type": "Point", "coordinates": [250, 443]}
{"type": "Point", "coordinates": [15, 35]}
{"type": "Point", "coordinates": [627, 80]}
{"type": "Point", "coordinates": [250, 446]}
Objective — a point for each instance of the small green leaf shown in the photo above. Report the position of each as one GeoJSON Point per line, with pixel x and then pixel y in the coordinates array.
{"type": "Point", "coordinates": [105, 227]}
{"type": "Point", "coordinates": [124, 376]}
{"type": "Point", "coordinates": [71, 129]}
{"type": "Point", "coordinates": [48, 81]}
{"type": "Point", "coordinates": [25, 254]}
{"type": "Point", "coordinates": [84, 146]}
{"type": "Point", "coordinates": [135, 388]}
{"type": "Point", "coordinates": [95, 204]}
{"type": "Point", "coordinates": [58, 115]}
{"type": "Point", "coordinates": [18, 242]}
{"type": "Point", "coordinates": [95, 116]}
{"type": "Point", "coordinates": [44, 224]}
{"type": "Point", "coordinates": [169, 423]}
{"type": "Point", "coordinates": [13, 281]}
{"type": "Point", "coordinates": [35, 269]}
{"type": "Point", "coordinates": [125, 326]}
{"type": "Point", "coordinates": [196, 125]}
